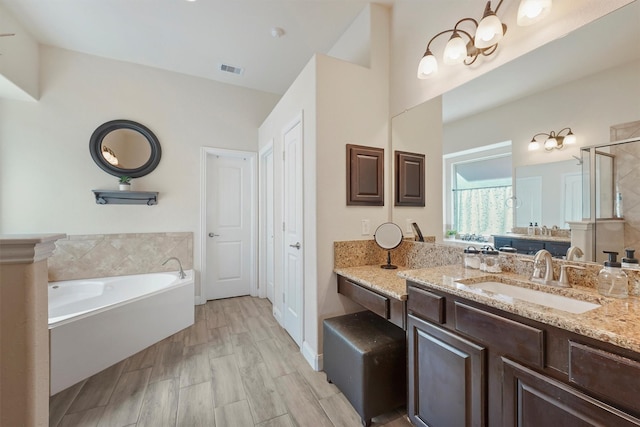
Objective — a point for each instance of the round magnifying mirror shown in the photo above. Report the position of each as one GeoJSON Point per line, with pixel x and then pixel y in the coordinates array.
{"type": "Point", "coordinates": [388, 236]}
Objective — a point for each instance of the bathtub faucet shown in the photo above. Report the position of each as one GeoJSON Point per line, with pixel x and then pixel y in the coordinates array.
{"type": "Point", "coordinates": [181, 272]}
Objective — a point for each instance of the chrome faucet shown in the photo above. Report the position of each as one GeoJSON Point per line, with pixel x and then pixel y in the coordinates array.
{"type": "Point", "coordinates": [574, 252]}
{"type": "Point", "coordinates": [545, 256]}
{"type": "Point", "coordinates": [181, 273]}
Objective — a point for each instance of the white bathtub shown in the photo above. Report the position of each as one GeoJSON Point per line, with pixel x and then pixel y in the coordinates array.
{"type": "Point", "coordinates": [95, 323]}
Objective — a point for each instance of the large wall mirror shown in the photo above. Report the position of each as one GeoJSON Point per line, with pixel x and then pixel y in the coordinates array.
{"type": "Point", "coordinates": [474, 115]}
{"type": "Point", "coordinates": [125, 148]}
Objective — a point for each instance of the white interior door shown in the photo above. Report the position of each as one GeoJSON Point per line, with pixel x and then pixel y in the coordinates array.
{"type": "Point", "coordinates": [293, 285]}
{"type": "Point", "coordinates": [267, 234]}
{"type": "Point", "coordinates": [229, 253]}
{"type": "Point", "coordinates": [572, 196]}
{"type": "Point", "coordinates": [529, 192]}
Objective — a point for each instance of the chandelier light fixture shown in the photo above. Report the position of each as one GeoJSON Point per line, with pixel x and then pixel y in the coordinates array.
{"type": "Point", "coordinates": [480, 38]}
{"type": "Point", "coordinates": [553, 141]}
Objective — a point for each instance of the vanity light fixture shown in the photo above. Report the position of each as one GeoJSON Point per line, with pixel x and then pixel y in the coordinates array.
{"type": "Point", "coordinates": [464, 46]}
{"type": "Point", "coordinates": [554, 140]}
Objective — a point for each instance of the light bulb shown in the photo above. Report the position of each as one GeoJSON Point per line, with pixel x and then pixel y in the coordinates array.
{"type": "Point", "coordinates": [570, 138]}
{"type": "Point", "coordinates": [532, 11]}
{"type": "Point", "coordinates": [534, 145]}
{"type": "Point", "coordinates": [550, 144]}
{"type": "Point", "coordinates": [489, 32]}
{"type": "Point", "coordinates": [456, 50]}
{"type": "Point", "coordinates": [428, 66]}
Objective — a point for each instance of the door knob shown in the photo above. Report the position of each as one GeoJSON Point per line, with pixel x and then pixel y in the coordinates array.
{"type": "Point", "coordinates": [214, 235]}
{"type": "Point", "coordinates": [297, 245]}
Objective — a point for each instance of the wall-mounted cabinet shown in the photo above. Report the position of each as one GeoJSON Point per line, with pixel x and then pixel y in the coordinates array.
{"type": "Point", "coordinates": [111, 197]}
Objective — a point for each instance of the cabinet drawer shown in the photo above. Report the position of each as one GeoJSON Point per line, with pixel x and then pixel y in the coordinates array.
{"type": "Point", "coordinates": [426, 305]}
{"type": "Point", "coordinates": [527, 246]}
{"type": "Point", "coordinates": [511, 338]}
{"type": "Point", "coordinates": [607, 374]}
{"type": "Point", "coordinates": [557, 249]}
{"type": "Point", "coordinates": [370, 300]}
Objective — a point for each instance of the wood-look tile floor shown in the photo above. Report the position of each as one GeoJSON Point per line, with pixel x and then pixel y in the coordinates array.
{"type": "Point", "coordinates": [234, 367]}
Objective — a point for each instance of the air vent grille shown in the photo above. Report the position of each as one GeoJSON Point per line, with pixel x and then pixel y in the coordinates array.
{"type": "Point", "coordinates": [231, 69]}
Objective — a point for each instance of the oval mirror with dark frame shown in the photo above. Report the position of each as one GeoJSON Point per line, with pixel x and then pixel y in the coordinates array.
{"type": "Point", "coordinates": [125, 148]}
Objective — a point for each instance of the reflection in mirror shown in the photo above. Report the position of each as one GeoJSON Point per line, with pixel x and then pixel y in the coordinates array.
{"type": "Point", "coordinates": [605, 172]}
{"type": "Point", "coordinates": [549, 194]}
{"type": "Point", "coordinates": [614, 212]}
{"type": "Point", "coordinates": [129, 148]}
{"type": "Point", "coordinates": [388, 236]}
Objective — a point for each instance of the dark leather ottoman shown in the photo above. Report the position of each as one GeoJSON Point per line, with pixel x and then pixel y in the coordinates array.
{"type": "Point", "coordinates": [365, 356]}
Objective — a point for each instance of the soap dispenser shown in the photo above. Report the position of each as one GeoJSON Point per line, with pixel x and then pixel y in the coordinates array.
{"type": "Point", "coordinates": [630, 261]}
{"type": "Point", "coordinates": [530, 229]}
{"type": "Point", "coordinates": [612, 281]}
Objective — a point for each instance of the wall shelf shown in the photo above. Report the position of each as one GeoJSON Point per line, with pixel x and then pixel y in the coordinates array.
{"type": "Point", "coordinates": [114, 197]}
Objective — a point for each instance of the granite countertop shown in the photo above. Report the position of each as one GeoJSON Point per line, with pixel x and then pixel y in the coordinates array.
{"type": "Point", "coordinates": [386, 282]}
{"type": "Point", "coordinates": [536, 237]}
{"type": "Point", "coordinates": [617, 321]}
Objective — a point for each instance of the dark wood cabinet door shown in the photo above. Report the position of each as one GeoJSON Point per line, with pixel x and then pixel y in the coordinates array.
{"type": "Point", "coordinates": [365, 175]}
{"type": "Point", "coordinates": [447, 384]}
{"type": "Point", "coordinates": [531, 399]}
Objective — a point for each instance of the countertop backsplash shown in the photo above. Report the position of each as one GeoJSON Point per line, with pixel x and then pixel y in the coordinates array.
{"type": "Point", "coordinates": [416, 255]}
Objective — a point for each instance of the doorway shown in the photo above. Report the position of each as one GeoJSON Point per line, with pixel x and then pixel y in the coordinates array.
{"type": "Point", "coordinates": [293, 244]}
{"type": "Point", "coordinates": [267, 224]}
{"type": "Point", "coordinates": [228, 223]}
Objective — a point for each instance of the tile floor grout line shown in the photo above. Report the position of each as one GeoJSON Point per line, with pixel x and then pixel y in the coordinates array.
{"type": "Point", "coordinates": [271, 337]}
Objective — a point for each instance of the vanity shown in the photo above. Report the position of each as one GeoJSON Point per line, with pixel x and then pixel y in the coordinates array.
{"type": "Point", "coordinates": [479, 358]}
{"type": "Point", "coordinates": [492, 361]}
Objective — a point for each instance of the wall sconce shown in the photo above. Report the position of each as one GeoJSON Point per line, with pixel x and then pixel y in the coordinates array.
{"type": "Point", "coordinates": [484, 41]}
{"type": "Point", "coordinates": [554, 140]}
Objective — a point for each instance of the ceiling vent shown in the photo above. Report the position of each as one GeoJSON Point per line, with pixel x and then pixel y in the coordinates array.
{"type": "Point", "coordinates": [231, 69]}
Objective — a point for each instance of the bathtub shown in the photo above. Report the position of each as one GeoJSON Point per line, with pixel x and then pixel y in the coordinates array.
{"type": "Point", "coordinates": [94, 323]}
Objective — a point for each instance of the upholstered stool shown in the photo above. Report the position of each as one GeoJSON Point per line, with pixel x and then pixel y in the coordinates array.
{"type": "Point", "coordinates": [365, 356]}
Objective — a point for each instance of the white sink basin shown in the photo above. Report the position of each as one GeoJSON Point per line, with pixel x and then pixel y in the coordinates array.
{"type": "Point", "coordinates": [509, 292]}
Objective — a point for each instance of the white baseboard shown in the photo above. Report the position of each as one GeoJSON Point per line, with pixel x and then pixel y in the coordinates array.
{"type": "Point", "coordinates": [199, 300]}
{"type": "Point", "coordinates": [278, 315]}
{"type": "Point", "coordinates": [313, 359]}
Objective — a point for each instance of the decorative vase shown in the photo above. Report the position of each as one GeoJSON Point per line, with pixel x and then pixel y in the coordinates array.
{"type": "Point", "coordinates": [125, 187]}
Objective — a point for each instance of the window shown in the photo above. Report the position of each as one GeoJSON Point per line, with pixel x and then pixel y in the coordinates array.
{"type": "Point", "coordinates": [480, 184]}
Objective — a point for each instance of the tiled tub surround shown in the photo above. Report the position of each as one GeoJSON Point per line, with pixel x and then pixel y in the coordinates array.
{"type": "Point", "coordinates": [106, 255]}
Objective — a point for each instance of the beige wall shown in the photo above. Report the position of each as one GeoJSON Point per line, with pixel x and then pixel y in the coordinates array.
{"type": "Point", "coordinates": [589, 106]}
{"type": "Point", "coordinates": [343, 104]}
{"type": "Point", "coordinates": [419, 130]}
{"type": "Point", "coordinates": [414, 23]}
{"type": "Point", "coordinates": [47, 173]}
{"type": "Point", "coordinates": [19, 76]}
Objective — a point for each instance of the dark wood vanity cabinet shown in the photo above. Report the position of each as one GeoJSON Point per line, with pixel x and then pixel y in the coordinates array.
{"type": "Point", "coordinates": [473, 365]}
{"type": "Point", "coordinates": [531, 246]}
{"type": "Point", "coordinates": [392, 309]}
{"type": "Point", "coordinates": [532, 399]}
{"type": "Point", "coordinates": [446, 377]}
